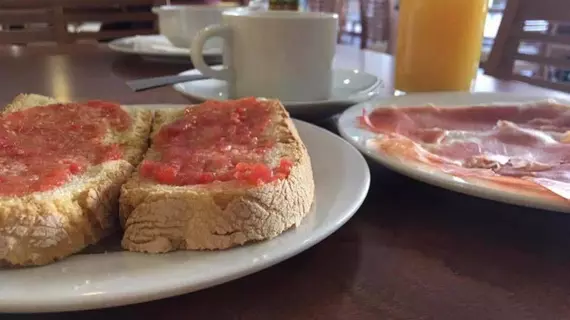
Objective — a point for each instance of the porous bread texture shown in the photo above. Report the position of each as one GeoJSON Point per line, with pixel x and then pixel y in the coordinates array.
{"type": "Point", "coordinates": [134, 141]}
{"type": "Point", "coordinates": [160, 218]}
{"type": "Point", "coordinates": [43, 227]}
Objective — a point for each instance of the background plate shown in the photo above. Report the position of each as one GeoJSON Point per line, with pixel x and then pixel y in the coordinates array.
{"type": "Point", "coordinates": [350, 87]}
{"type": "Point", "coordinates": [158, 48]}
{"type": "Point", "coordinates": [358, 137]}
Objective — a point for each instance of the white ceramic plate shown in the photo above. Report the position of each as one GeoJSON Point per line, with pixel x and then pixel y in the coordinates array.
{"type": "Point", "coordinates": [358, 137]}
{"type": "Point", "coordinates": [349, 87]}
{"type": "Point", "coordinates": [156, 46]}
{"type": "Point", "coordinates": [87, 281]}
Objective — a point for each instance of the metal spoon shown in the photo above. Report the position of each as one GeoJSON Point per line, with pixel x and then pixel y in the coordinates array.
{"type": "Point", "coordinates": [150, 83]}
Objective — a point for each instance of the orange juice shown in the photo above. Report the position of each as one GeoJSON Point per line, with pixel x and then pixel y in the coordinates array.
{"type": "Point", "coordinates": [439, 44]}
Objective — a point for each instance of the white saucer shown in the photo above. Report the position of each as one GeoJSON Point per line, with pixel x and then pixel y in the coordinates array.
{"type": "Point", "coordinates": [349, 87]}
{"type": "Point", "coordinates": [347, 125]}
{"type": "Point", "coordinates": [156, 46]}
{"type": "Point", "coordinates": [89, 281]}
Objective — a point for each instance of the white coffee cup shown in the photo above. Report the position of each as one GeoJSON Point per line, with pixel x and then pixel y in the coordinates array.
{"type": "Point", "coordinates": [180, 23]}
{"type": "Point", "coordinates": [286, 55]}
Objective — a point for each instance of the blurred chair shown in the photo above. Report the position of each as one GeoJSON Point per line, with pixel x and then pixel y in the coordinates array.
{"type": "Point", "coordinates": [209, 2]}
{"type": "Point", "coordinates": [23, 25]}
{"type": "Point", "coordinates": [69, 21]}
{"type": "Point", "coordinates": [116, 18]}
{"type": "Point", "coordinates": [548, 65]}
{"type": "Point", "coordinates": [377, 24]}
{"type": "Point", "coordinates": [339, 7]}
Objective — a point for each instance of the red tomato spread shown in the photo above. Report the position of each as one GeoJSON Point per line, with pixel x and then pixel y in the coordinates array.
{"type": "Point", "coordinates": [42, 148]}
{"type": "Point", "coordinates": [217, 141]}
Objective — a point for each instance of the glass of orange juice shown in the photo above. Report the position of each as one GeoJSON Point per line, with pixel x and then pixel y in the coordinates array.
{"type": "Point", "coordinates": [439, 44]}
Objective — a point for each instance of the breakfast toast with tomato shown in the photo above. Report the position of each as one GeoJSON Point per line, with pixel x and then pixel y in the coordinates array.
{"type": "Point", "coordinates": [61, 169]}
{"type": "Point", "coordinates": [217, 175]}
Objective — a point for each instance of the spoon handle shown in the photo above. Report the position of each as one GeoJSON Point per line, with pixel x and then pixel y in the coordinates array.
{"type": "Point", "coordinates": [149, 83]}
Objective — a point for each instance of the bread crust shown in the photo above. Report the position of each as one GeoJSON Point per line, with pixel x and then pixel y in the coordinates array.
{"type": "Point", "coordinates": [43, 227]}
{"type": "Point", "coordinates": [161, 218]}
{"type": "Point", "coordinates": [39, 229]}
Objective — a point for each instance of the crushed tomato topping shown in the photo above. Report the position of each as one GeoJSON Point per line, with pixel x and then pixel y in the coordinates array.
{"type": "Point", "coordinates": [42, 148]}
{"type": "Point", "coordinates": [218, 141]}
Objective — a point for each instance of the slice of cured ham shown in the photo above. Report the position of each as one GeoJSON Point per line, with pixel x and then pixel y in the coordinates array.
{"type": "Point", "coordinates": [515, 146]}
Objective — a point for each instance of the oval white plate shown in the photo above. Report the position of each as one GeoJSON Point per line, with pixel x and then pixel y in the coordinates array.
{"type": "Point", "coordinates": [349, 87]}
{"type": "Point", "coordinates": [155, 46]}
{"type": "Point", "coordinates": [358, 137]}
{"type": "Point", "coordinates": [88, 281]}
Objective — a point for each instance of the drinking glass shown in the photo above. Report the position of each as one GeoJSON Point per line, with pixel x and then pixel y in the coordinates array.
{"type": "Point", "coordinates": [439, 44]}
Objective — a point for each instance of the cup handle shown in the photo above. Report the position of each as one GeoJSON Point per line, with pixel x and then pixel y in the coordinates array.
{"type": "Point", "coordinates": [197, 57]}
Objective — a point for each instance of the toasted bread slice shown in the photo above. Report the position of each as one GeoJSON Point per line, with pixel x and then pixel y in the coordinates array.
{"type": "Point", "coordinates": [160, 218]}
{"type": "Point", "coordinates": [41, 227]}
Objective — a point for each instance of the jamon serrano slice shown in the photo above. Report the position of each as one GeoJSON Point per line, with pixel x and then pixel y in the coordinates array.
{"type": "Point", "coordinates": [517, 146]}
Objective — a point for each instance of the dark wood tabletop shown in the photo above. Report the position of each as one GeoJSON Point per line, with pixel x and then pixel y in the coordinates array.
{"type": "Point", "coordinates": [412, 251]}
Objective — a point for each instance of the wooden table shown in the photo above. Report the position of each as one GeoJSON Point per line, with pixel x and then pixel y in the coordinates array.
{"type": "Point", "coordinates": [412, 251]}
